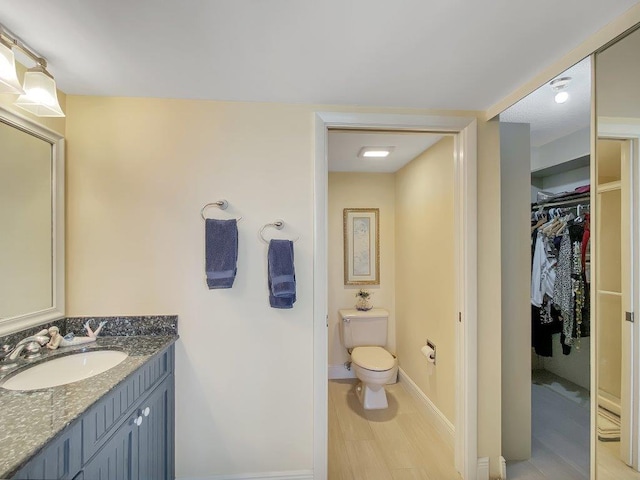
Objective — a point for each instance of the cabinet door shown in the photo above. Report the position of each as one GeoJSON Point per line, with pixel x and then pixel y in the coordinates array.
{"type": "Point", "coordinates": [61, 460]}
{"type": "Point", "coordinates": [117, 459]}
{"type": "Point", "coordinates": [155, 441]}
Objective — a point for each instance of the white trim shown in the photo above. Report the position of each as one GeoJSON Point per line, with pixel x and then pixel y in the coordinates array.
{"type": "Point", "coordinates": [339, 372]}
{"type": "Point", "coordinates": [465, 131]}
{"type": "Point", "coordinates": [290, 475]}
{"type": "Point", "coordinates": [57, 309]}
{"type": "Point", "coordinates": [320, 303]}
{"type": "Point", "coordinates": [483, 468]}
{"type": "Point", "coordinates": [445, 428]}
{"type": "Point", "coordinates": [503, 468]}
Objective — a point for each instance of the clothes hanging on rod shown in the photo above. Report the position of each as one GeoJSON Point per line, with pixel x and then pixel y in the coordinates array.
{"type": "Point", "coordinates": [560, 233]}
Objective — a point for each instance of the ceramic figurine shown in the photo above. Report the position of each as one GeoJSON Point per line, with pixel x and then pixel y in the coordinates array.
{"type": "Point", "coordinates": [70, 339]}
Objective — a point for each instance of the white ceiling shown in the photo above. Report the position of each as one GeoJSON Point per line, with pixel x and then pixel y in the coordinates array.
{"type": "Point", "coordinates": [456, 54]}
{"type": "Point", "coordinates": [550, 120]}
{"type": "Point", "coordinates": [345, 146]}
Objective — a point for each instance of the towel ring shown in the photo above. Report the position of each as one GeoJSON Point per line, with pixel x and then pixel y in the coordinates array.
{"type": "Point", "coordinates": [278, 225]}
{"type": "Point", "coordinates": [221, 204]}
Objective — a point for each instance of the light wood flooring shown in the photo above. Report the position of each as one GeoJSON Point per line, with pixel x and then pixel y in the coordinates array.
{"type": "Point", "coordinates": [398, 443]}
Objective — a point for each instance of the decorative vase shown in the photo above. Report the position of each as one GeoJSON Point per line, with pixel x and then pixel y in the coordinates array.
{"type": "Point", "coordinates": [363, 304]}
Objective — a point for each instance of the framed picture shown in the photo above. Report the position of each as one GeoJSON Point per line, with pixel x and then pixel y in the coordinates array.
{"type": "Point", "coordinates": [361, 246]}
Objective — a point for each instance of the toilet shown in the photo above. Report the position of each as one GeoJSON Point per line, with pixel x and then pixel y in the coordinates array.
{"type": "Point", "coordinates": [364, 334]}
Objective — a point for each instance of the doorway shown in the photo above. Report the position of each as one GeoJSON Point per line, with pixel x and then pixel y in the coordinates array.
{"type": "Point", "coordinates": [463, 130]}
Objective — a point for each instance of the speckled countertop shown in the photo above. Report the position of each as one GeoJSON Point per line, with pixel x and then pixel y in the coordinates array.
{"type": "Point", "coordinates": [29, 420]}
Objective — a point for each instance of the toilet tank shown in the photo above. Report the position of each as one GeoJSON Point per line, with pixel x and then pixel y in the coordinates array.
{"type": "Point", "coordinates": [359, 329]}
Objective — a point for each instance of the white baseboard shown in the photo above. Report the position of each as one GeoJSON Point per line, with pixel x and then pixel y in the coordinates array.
{"type": "Point", "coordinates": [443, 425]}
{"type": "Point", "coordinates": [290, 475]}
{"type": "Point", "coordinates": [483, 469]}
{"type": "Point", "coordinates": [337, 372]}
{"type": "Point", "coordinates": [503, 468]}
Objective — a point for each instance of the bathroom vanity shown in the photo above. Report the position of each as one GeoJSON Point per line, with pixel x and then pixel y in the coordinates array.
{"type": "Point", "coordinates": [115, 425]}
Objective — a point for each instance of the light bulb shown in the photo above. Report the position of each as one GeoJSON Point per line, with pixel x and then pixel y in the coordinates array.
{"type": "Point", "coordinates": [561, 97]}
{"type": "Point", "coordinates": [40, 95]}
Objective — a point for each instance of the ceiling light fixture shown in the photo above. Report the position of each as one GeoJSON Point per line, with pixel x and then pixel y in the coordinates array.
{"type": "Point", "coordinates": [375, 152]}
{"type": "Point", "coordinates": [38, 94]}
{"type": "Point", "coordinates": [558, 85]}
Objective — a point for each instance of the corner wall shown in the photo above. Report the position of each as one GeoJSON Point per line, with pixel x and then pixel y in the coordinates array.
{"type": "Point", "coordinates": [359, 190]}
{"type": "Point", "coordinates": [425, 272]}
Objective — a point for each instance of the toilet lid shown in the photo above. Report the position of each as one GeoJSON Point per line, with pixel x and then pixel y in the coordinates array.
{"type": "Point", "coordinates": [373, 358]}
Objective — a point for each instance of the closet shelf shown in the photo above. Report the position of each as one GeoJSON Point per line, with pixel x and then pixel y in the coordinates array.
{"type": "Point", "coordinates": [609, 186]}
{"type": "Point", "coordinates": [610, 293]}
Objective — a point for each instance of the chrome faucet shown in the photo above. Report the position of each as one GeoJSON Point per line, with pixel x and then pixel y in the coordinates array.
{"type": "Point", "coordinates": [31, 344]}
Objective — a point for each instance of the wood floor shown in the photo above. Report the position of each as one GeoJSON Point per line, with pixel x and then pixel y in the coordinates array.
{"type": "Point", "coordinates": [398, 443]}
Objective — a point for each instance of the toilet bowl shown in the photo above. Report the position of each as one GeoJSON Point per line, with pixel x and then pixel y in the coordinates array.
{"type": "Point", "coordinates": [374, 367]}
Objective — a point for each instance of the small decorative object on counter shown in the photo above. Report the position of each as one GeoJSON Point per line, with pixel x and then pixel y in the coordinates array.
{"type": "Point", "coordinates": [363, 301]}
{"type": "Point", "coordinates": [70, 339]}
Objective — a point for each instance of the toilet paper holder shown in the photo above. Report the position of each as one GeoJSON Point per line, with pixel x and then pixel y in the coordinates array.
{"type": "Point", "coordinates": [432, 346]}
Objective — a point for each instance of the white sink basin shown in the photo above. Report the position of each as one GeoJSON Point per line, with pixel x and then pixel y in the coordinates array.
{"type": "Point", "coordinates": [65, 369]}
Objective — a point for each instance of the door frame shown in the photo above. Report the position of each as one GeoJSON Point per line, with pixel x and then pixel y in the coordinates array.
{"type": "Point", "coordinates": [625, 129]}
{"type": "Point", "coordinates": [464, 130]}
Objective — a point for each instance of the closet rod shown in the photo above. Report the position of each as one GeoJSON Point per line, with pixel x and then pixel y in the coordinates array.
{"type": "Point", "coordinates": [565, 203]}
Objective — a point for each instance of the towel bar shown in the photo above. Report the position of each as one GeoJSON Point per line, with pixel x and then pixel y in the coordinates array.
{"type": "Point", "coordinates": [278, 224]}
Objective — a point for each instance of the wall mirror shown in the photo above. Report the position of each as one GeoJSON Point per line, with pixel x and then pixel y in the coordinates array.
{"type": "Point", "coordinates": [616, 248]}
{"type": "Point", "coordinates": [32, 220]}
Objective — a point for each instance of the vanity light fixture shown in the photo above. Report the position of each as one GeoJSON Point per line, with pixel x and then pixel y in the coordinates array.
{"type": "Point", "coordinates": [38, 94]}
{"type": "Point", "coordinates": [375, 152]}
{"type": "Point", "coordinates": [558, 85]}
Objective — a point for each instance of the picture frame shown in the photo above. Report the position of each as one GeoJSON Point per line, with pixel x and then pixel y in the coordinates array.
{"type": "Point", "coordinates": [361, 246]}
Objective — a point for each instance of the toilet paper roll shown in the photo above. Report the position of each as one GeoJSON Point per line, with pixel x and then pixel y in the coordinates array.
{"type": "Point", "coordinates": [428, 352]}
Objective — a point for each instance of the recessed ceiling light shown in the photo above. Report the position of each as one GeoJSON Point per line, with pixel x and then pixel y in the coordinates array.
{"type": "Point", "coordinates": [375, 152]}
{"type": "Point", "coordinates": [559, 85]}
{"type": "Point", "coordinates": [561, 97]}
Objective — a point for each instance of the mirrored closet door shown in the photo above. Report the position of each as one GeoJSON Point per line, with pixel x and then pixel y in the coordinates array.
{"type": "Point", "coordinates": [615, 171]}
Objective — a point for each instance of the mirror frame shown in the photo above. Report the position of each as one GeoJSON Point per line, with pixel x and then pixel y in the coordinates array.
{"type": "Point", "coordinates": [57, 309]}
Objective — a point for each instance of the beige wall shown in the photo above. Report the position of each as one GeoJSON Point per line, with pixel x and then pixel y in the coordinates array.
{"type": "Point", "coordinates": [425, 271]}
{"type": "Point", "coordinates": [489, 295]}
{"type": "Point", "coordinates": [360, 190]}
{"type": "Point", "coordinates": [139, 170]}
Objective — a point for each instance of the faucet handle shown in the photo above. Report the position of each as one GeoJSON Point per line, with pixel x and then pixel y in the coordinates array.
{"type": "Point", "coordinates": [32, 349]}
{"type": "Point", "coordinates": [5, 350]}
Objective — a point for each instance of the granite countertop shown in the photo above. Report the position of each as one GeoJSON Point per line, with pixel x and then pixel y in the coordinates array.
{"type": "Point", "coordinates": [30, 419]}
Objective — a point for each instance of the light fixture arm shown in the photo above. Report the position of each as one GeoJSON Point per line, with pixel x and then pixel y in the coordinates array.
{"type": "Point", "coordinates": [7, 37]}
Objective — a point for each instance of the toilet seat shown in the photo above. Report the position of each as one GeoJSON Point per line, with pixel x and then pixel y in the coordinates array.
{"type": "Point", "coordinates": [376, 359]}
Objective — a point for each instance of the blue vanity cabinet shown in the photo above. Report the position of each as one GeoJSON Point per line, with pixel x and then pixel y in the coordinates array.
{"type": "Point", "coordinates": [127, 435]}
{"type": "Point", "coordinates": [60, 460]}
